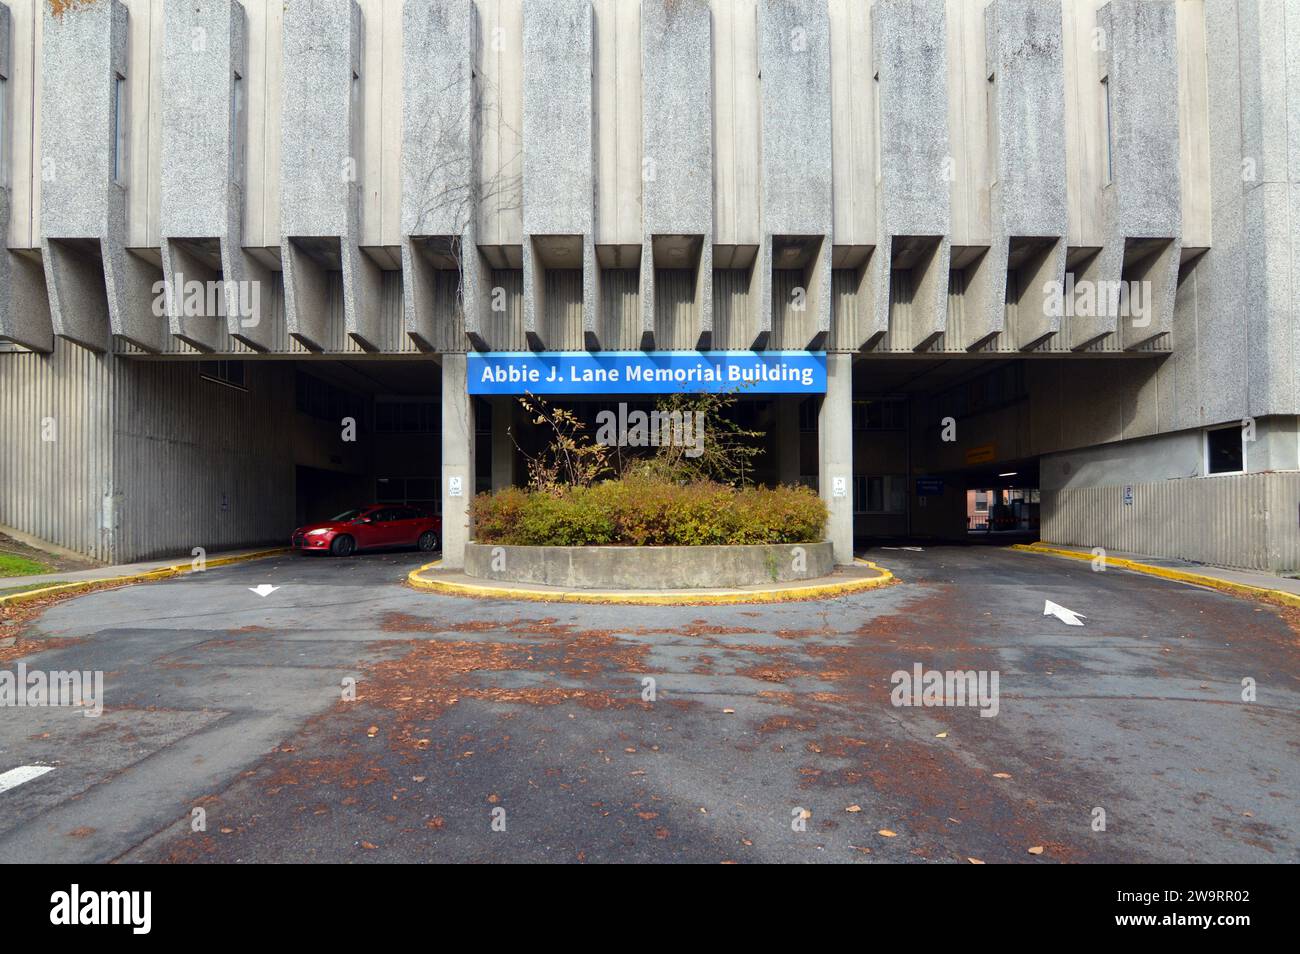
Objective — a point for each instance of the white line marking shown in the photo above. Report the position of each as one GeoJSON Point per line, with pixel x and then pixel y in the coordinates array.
{"type": "Point", "coordinates": [23, 773]}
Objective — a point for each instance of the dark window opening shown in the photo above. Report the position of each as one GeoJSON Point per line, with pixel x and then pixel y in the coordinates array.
{"type": "Point", "coordinates": [1224, 452]}
{"type": "Point", "coordinates": [229, 373]}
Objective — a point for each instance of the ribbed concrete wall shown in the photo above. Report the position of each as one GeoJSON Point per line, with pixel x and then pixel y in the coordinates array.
{"type": "Point", "coordinates": [54, 489]}
{"type": "Point", "coordinates": [1248, 520]}
{"type": "Point", "coordinates": [124, 459]}
{"type": "Point", "coordinates": [198, 464]}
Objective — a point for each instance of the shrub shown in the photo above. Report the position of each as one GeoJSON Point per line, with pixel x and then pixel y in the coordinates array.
{"type": "Point", "coordinates": [649, 512]}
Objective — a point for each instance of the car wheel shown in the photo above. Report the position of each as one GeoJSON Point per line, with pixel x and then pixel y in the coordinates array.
{"type": "Point", "coordinates": [342, 545]}
{"type": "Point", "coordinates": [428, 541]}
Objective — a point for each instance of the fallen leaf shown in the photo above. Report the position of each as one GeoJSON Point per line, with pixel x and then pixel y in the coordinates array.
{"type": "Point", "coordinates": [729, 711]}
{"type": "Point", "coordinates": [1036, 850]}
{"type": "Point", "coordinates": [368, 846]}
{"type": "Point", "coordinates": [1001, 775]}
{"type": "Point", "coordinates": [887, 833]}
{"type": "Point", "coordinates": [372, 731]}
{"type": "Point", "coordinates": [975, 861]}
{"type": "Point", "coordinates": [854, 808]}
{"type": "Point", "coordinates": [942, 735]}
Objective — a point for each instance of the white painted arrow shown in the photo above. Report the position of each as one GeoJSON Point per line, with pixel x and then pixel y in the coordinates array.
{"type": "Point", "coordinates": [23, 773]}
{"type": "Point", "coordinates": [1068, 617]}
{"type": "Point", "coordinates": [264, 589]}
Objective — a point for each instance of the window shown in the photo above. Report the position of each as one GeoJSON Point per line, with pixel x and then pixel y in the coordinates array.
{"type": "Point", "coordinates": [229, 373]}
{"type": "Point", "coordinates": [880, 415]}
{"type": "Point", "coordinates": [879, 494]}
{"type": "Point", "coordinates": [237, 129]}
{"type": "Point", "coordinates": [1110, 163]}
{"type": "Point", "coordinates": [1225, 450]}
{"type": "Point", "coordinates": [119, 130]}
{"type": "Point", "coordinates": [325, 402]}
{"type": "Point", "coordinates": [420, 493]}
{"type": "Point", "coordinates": [809, 410]}
{"type": "Point", "coordinates": [4, 130]}
{"type": "Point", "coordinates": [981, 501]}
{"type": "Point", "coordinates": [407, 417]}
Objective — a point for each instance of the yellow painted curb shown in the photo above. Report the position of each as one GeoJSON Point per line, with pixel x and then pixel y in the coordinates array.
{"type": "Point", "coordinates": [794, 593]}
{"type": "Point", "coordinates": [1168, 573]}
{"type": "Point", "coordinates": [162, 573]}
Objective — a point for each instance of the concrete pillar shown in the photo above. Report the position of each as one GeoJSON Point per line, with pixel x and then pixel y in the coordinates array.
{"type": "Point", "coordinates": [835, 454]}
{"type": "Point", "coordinates": [457, 460]}
{"type": "Point", "coordinates": [503, 443]}
{"type": "Point", "coordinates": [787, 438]}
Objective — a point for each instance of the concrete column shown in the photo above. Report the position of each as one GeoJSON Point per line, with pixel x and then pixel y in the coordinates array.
{"type": "Point", "coordinates": [787, 438]}
{"type": "Point", "coordinates": [457, 460]}
{"type": "Point", "coordinates": [503, 443]}
{"type": "Point", "coordinates": [835, 454]}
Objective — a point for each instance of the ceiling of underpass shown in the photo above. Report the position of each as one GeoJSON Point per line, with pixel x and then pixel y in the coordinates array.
{"type": "Point", "coordinates": [400, 378]}
{"type": "Point", "coordinates": [915, 375]}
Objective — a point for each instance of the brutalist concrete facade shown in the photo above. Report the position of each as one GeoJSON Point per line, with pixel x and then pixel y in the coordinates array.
{"type": "Point", "coordinates": [891, 181]}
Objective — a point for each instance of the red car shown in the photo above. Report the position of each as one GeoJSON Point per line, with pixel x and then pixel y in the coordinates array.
{"type": "Point", "coordinates": [379, 525]}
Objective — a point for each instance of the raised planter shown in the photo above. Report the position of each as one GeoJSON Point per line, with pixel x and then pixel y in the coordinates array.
{"type": "Point", "coordinates": [650, 568]}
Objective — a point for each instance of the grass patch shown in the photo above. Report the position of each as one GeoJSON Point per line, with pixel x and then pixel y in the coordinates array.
{"type": "Point", "coordinates": [11, 565]}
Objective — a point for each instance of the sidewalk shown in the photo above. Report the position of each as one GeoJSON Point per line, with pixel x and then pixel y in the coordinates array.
{"type": "Point", "coordinates": [1178, 569]}
{"type": "Point", "coordinates": [137, 569]}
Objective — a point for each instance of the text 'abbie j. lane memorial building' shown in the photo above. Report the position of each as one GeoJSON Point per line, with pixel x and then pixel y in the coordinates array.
{"type": "Point", "coordinates": [979, 264]}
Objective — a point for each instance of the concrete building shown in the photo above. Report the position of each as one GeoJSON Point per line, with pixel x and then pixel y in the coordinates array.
{"type": "Point", "coordinates": [234, 227]}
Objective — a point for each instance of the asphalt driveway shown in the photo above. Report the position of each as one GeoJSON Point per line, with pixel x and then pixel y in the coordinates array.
{"type": "Point", "coordinates": [498, 731]}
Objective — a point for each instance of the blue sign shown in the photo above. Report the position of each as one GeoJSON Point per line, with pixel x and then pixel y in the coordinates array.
{"type": "Point", "coordinates": [646, 372]}
{"type": "Point", "coordinates": [929, 486]}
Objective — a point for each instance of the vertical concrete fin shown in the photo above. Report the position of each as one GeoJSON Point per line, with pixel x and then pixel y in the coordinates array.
{"type": "Point", "coordinates": [319, 163]}
{"type": "Point", "coordinates": [201, 202]}
{"type": "Point", "coordinates": [677, 154]}
{"type": "Point", "coordinates": [24, 307]}
{"type": "Point", "coordinates": [439, 165]}
{"type": "Point", "coordinates": [909, 52]}
{"type": "Point", "coordinates": [1142, 202]}
{"type": "Point", "coordinates": [1025, 65]}
{"type": "Point", "coordinates": [85, 111]}
{"type": "Point", "coordinates": [559, 169]}
{"type": "Point", "coordinates": [794, 56]}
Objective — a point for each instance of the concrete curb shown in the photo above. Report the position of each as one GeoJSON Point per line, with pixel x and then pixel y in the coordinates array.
{"type": "Point", "coordinates": [1168, 573]}
{"type": "Point", "coordinates": [162, 573]}
{"type": "Point", "coordinates": [703, 598]}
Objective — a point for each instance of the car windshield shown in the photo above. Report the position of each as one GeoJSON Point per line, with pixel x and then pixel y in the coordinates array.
{"type": "Point", "coordinates": [346, 515]}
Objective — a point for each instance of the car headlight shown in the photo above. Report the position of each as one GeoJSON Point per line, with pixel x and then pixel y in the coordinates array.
{"type": "Point", "coordinates": [317, 533]}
